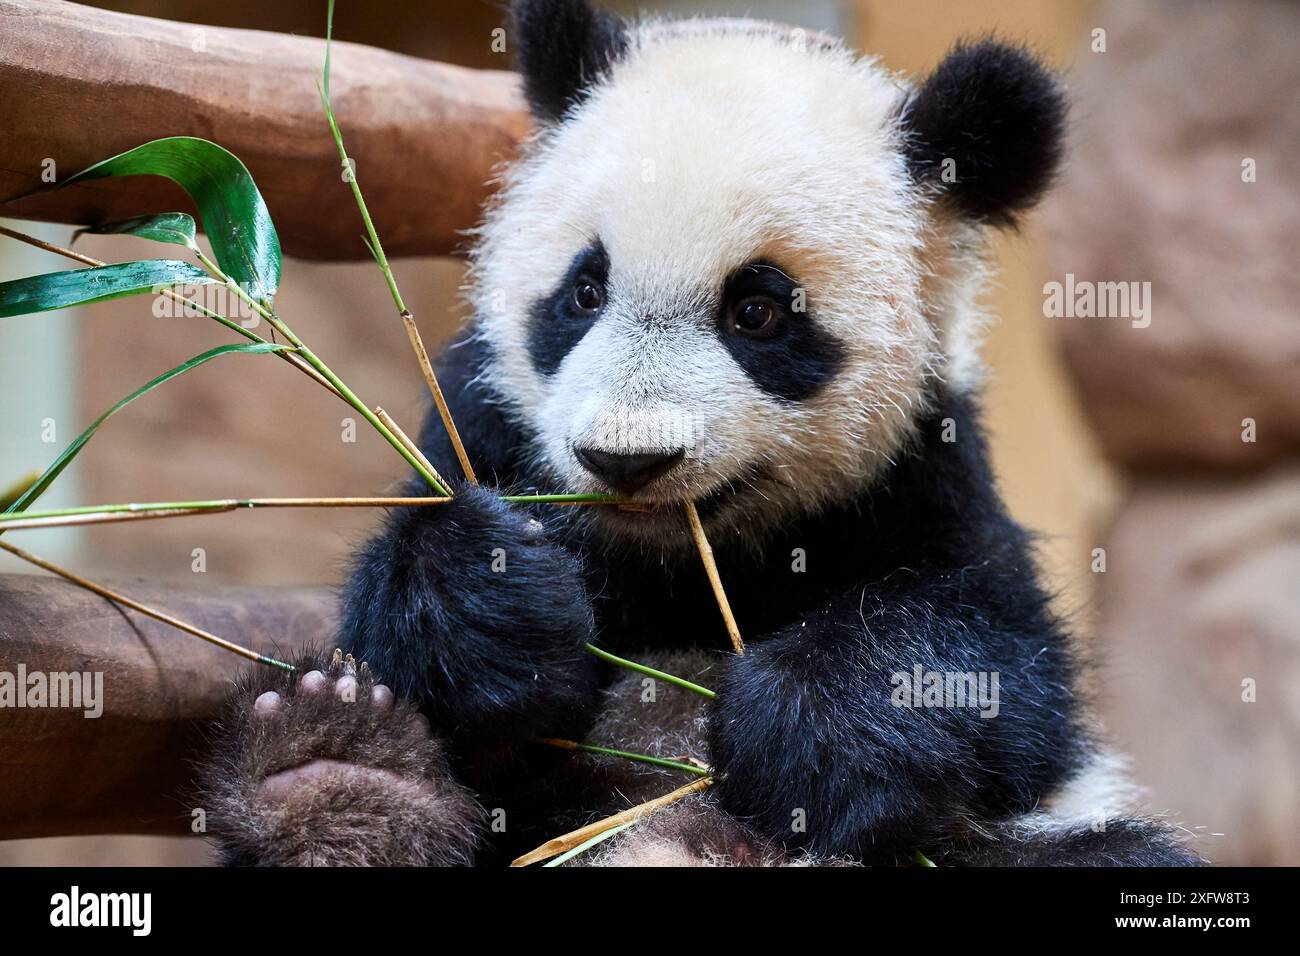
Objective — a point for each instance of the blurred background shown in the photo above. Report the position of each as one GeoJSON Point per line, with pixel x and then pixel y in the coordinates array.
{"type": "Point", "coordinates": [1159, 464]}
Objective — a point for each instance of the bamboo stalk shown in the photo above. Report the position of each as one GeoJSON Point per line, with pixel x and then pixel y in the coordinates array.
{"type": "Point", "coordinates": [22, 523]}
{"type": "Point", "coordinates": [564, 499]}
{"type": "Point", "coordinates": [49, 247]}
{"type": "Point", "coordinates": [411, 446]}
{"type": "Point", "coordinates": [715, 580]}
{"type": "Point", "coordinates": [699, 771]}
{"type": "Point", "coordinates": [431, 379]}
{"type": "Point", "coordinates": [575, 838]}
{"type": "Point", "coordinates": [144, 511]}
{"type": "Point", "coordinates": [377, 250]}
{"type": "Point", "coordinates": [581, 848]}
{"type": "Point", "coordinates": [144, 609]}
{"type": "Point", "coordinates": [605, 655]}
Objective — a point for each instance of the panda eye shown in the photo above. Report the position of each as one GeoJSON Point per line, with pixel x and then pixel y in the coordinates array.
{"type": "Point", "coordinates": [755, 317]}
{"type": "Point", "coordinates": [588, 297]}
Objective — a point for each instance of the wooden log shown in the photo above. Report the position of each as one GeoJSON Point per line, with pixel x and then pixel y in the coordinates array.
{"type": "Point", "coordinates": [79, 85]}
{"type": "Point", "coordinates": [128, 770]}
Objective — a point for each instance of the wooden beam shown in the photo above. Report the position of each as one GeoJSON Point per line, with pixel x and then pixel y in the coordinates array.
{"type": "Point", "coordinates": [127, 771]}
{"type": "Point", "coordinates": [80, 84]}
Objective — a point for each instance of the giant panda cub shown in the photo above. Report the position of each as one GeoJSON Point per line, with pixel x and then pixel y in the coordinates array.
{"type": "Point", "coordinates": [736, 266]}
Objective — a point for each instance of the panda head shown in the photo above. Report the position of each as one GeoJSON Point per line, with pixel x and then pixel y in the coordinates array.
{"type": "Point", "coordinates": [735, 259]}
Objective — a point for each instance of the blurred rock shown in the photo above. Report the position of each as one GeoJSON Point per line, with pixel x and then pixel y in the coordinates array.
{"type": "Point", "coordinates": [1154, 192]}
{"type": "Point", "coordinates": [1200, 595]}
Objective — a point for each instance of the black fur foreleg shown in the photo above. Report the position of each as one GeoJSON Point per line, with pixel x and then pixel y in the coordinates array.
{"type": "Point", "coordinates": [822, 743]}
{"type": "Point", "coordinates": [469, 609]}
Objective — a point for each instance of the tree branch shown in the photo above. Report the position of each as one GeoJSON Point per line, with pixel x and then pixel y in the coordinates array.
{"type": "Point", "coordinates": [82, 84]}
{"type": "Point", "coordinates": [127, 771]}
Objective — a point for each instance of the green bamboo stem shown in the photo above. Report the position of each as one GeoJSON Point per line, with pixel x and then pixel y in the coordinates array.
{"type": "Point", "coordinates": [376, 248]}
{"type": "Point", "coordinates": [372, 242]}
{"type": "Point", "coordinates": [651, 672]}
{"type": "Point", "coordinates": [123, 511]}
{"type": "Point", "coordinates": [95, 514]}
{"type": "Point", "coordinates": [645, 758]}
{"type": "Point", "coordinates": [312, 359]}
{"type": "Point", "coordinates": [367, 414]}
{"type": "Point", "coordinates": [339, 502]}
{"type": "Point", "coordinates": [145, 609]}
{"type": "Point", "coordinates": [626, 755]}
{"type": "Point", "coordinates": [588, 844]}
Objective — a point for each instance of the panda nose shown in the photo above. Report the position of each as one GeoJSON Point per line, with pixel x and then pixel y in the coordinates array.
{"type": "Point", "coordinates": [631, 472]}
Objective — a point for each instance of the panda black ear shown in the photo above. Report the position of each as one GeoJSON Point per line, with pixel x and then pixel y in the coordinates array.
{"type": "Point", "coordinates": [998, 114]}
{"type": "Point", "coordinates": [561, 47]}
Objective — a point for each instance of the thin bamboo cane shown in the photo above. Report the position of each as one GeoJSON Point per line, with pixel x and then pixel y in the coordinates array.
{"type": "Point", "coordinates": [700, 770]}
{"type": "Point", "coordinates": [377, 250]}
{"type": "Point", "coordinates": [576, 837]}
{"type": "Point", "coordinates": [444, 412]}
{"type": "Point", "coordinates": [411, 446]}
{"type": "Point", "coordinates": [144, 609]}
{"type": "Point", "coordinates": [605, 655]}
{"type": "Point", "coordinates": [711, 569]}
{"type": "Point", "coordinates": [583, 847]}
{"type": "Point", "coordinates": [145, 511]}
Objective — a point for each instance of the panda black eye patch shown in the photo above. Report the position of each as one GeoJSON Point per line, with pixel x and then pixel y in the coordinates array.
{"type": "Point", "coordinates": [765, 324]}
{"type": "Point", "coordinates": [558, 320]}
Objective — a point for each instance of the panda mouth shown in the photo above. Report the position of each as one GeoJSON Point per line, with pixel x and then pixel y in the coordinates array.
{"type": "Point", "coordinates": [707, 505]}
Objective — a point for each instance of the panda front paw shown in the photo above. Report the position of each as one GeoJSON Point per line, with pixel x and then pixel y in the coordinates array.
{"type": "Point", "coordinates": [799, 760]}
{"type": "Point", "coordinates": [762, 759]}
{"type": "Point", "coordinates": [325, 766]}
{"type": "Point", "coordinates": [474, 612]}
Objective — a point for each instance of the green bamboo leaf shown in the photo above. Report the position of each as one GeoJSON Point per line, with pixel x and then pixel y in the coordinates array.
{"type": "Point", "coordinates": [175, 227]}
{"type": "Point", "coordinates": [58, 290]}
{"type": "Point", "coordinates": [52, 472]}
{"type": "Point", "coordinates": [233, 213]}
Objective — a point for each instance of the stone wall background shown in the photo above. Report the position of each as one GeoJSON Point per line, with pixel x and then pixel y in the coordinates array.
{"type": "Point", "coordinates": [1199, 606]}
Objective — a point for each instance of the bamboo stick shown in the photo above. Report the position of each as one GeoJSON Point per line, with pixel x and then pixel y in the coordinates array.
{"type": "Point", "coordinates": [411, 446]}
{"type": "Point", "coordinates": [715, 580]}
{"type": "Point", "coordinates": [576, 837]}
{"type": "Point", "coordinates": [444, 412]}
{"type": "Point", "coordinates": [144, 609]}
{"type": "Point", "coordinates": [696, 767]}
{"type": "Point", "coordinates": [376, 248]}
{"type": "Point", "coordinates": [143, 511]}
